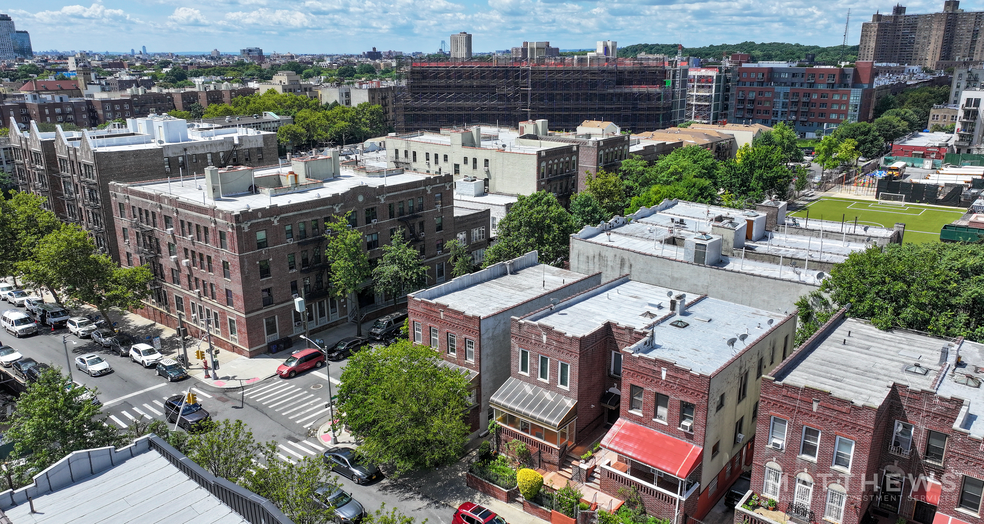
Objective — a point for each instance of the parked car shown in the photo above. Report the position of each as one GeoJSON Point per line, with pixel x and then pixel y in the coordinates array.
{"type": "Point", "coordinates": [102, 337]}
{"type": "Point", "coordinates": [5, 287]}
{"type": "Point", "coordinates": [8, 356]}
{"type": "Point", "coordinates": [93, 364]}
{"type": "Point", "coordinates": [81, 327]}
{"type": "Point", "coordinates": [300, 362]}
{"type": "Point", "coordinates": [347, 509]}
{"type": "Point", "coordinates": [33, 373]}
{"type": "Point", "coordinates": [17, 297]}
{"type": "Point", "coordinates": [343, 460]}
{"type": "Point", "coordinates": [17, 323]}
{"type": "Point", "coordinates": [145, 354]}
{"type": "Point", "coordinates": [471, 513]}
{"type": "Point", "coordinates": [192, 417]}
{"type": "Point", "coordinates": [5, 295]}
{"type": "Point", "coordinates": [345, 347]}
{"type": "Point", "coordinates": [121, 344]}
{"type": "Point", "coordinates": [52, 315]}
{"type": "Point", "coordinates": [171, 370]}
{"type": "Point", "coordinates": [22, 366]}
{"type": "Point", "coordinates": [31, 304]}
{"type": "Point", "coordinates": [86, 395]}
{"type": "Point", "coordinates": [387, 327]}
{"type": "Point", "coordinates": [738, 490]}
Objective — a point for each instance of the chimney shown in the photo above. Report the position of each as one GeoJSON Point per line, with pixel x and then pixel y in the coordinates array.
{"type": "Point", "coordinates": [681, 304]}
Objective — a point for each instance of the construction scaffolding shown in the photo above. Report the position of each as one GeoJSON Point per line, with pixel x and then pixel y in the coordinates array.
{"type": "Point", "coordinates": [636, 95]}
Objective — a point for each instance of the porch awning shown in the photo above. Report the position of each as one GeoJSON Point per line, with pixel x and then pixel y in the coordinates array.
{"type": "Point", "coordinates": [946, 519]}
{"type": "Point", "coordinates": [611, 400]}
{"type": "Point", "coordinates": [534, 403]}
{"type": "Point", "coordinates": [926, 490]}
{"type": "Point", "coordinates": [469, 374]}
{"type": "Point", "coordinates": [650, 447]}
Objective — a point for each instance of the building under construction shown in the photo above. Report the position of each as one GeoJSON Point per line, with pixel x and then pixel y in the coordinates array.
{"type": "Point", "coordinates": [638, 95]}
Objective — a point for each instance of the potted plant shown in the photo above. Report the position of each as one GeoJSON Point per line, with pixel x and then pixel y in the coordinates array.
{"type": "Point", "coordinates": [771, 504]}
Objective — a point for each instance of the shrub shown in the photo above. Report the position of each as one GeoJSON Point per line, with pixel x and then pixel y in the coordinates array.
{"type": "Point", "coordinates": [567, 499]}
{"type": "Point", "coordinates": [497, 471]}
{"type": "Point", "coordinates": [529, 482]}
{"type": "Point", "coordinates": [484, 451]}
{"type": "Point", "coordinates": [520, 451]}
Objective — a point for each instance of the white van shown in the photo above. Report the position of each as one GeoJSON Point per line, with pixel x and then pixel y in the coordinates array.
{"type": "Point", "coordinates": [17, 323]}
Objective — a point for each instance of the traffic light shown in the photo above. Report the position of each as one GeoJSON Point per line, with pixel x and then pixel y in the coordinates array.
{"type": "Point", "coordinates": [192, 399]}
{"type": "Point", "coordinates": [199, 354]}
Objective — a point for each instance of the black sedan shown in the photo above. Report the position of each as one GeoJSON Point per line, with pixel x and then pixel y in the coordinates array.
{"type": "Point", "coordinates": [33, 373]}
{"type": "Point", "coordinates": [344, 461]}
{"type": "Point", "coordinates": [103, 337]}
{"type": "Point", "coordinates": [193, 416]}
{"type": "Point", "coordinates": [171, 370]}
{"type": "Point", "coordinates": [22, 367]}
{"type": "Point", "coordinates": [345, 347]}
{"type": "Point", "coordinates": [120, 344]}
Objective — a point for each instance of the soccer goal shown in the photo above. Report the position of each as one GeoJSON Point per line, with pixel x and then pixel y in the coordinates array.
{"type": "Point", "coordinates": [892, 198]}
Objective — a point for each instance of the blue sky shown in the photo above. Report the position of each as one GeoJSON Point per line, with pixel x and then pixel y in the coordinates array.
{"type": "Point", "coordinates": [352, 26]}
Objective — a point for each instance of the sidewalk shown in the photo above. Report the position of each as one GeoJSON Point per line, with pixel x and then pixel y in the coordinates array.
{"type": "Point", "coordinates": [444, 485]}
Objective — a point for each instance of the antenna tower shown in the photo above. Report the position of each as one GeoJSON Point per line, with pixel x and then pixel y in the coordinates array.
{"type": "Point", "coordinates": [847, 25]}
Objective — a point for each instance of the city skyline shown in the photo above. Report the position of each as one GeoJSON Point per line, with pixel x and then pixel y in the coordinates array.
{"type": "Point", "coordinates": [307, 26]}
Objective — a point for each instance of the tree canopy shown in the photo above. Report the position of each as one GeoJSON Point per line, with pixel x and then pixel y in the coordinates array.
{"type": "Point", "coordinates": [535, 222]}
{"type": "Point", "coordinates": [400, 269]}
{"type": "Point", "coordinates": [404, 406]}
{"type": "Point", "coordinates": [764, 51]}
{"type": "Point", "coordinates": [347, 261]}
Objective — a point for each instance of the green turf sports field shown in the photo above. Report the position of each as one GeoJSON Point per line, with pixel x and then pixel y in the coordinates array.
{"type": "Point", "coordinates": [922, 222]}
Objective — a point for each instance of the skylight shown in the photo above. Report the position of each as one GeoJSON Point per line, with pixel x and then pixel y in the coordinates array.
{"type": "Point", "coordinates": [679, 324]}
{"type": "Point", "coordinates": [916, 369]}
{"type": "Point", "coordinates": [967, 380]}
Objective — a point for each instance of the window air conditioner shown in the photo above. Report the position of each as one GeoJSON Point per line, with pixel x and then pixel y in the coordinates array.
{"type": "Point", "coordinates": [777, 444]}
{"type": "Point", "coordinates": [186, 262]}
{"type": "Point", "coordinates": [191, 237]}
{"type": "Point", "coordinates": [440, 252]}
{"type": "Point", "coordinates": [174, 258]}
{"type": "Point", "coordinates": [687, 425]}
{"type": "Point", "coordinates": [170, 231]}
{"type": "Point", "coordinates": [374, 221]}
{"type": "Point", "coordinates": [739, 438]}
{"type": "Point", "coordinates": [290, 240]}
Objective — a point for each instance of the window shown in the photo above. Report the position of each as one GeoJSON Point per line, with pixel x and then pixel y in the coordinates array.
{"type": "Point", "coordinates": [418, 335]}
{"type": "Point", "coordinates": [544, 370]}
{"type": "Point", "coordinates": [777, 433]}
{"type": "Point", "coordinates": [372, 241]}
{"type": "Point", "coordinates": [439, 223]}
{"type": "Point", "coordinates": [223, 241]}
{"type": "Point", "coordinates": [261, 239]}
{"type": "Point", "coordinates": [232, 329]}
{"type": "Point", "coordinates": [970, 494]}
{"type": "Point", "coordinates": [662, 407]}
{"type": "Point", "coordinates": [935, 446]}
{"type": "Point", "coordinates": [452, 344]}
{"type": "Point", "coordinates": [270, 325]}
{"type": "Point", "coordinates": [175, 276]}
{"type": "Point", "coordinates": [843, 452]}
{"type": "Point", "coordinates": [229, 300]}
{"type": "Point", "coordinates": [178, 303]}
{"type": "Point", "coordinates": [834, 510]}
{"type": "Point", "coordinates": [208, 262]}
{"type": "Point", "coordinates": [267, 294]}
{"type": "Point", "coordinates": [435, 343]}
{"type": "Point", "coordinates": [370, 215]}
{"type": "Point", "coordinates": [635, 404]}
{"type": "Point", "coordinates": [902, 436]}
{"type": "Point", "coordinates": [811, 442]}
{"type": "Point", "coordinates": [469, 350]}
{"type": "Point", "coordinates": [225, 270]}
{"type": "Point", "coordinates": [264, 269]}
{"type": "Point", "coordinates": [616, 367]}
{"type": "Point", "coordinates": [720, 403]}
{"type": "Point", "coordinates": [743, 386]}
{"type": "Point", "coordinates": [564, 375]}
{"type": "Point", "coordinates": [758, 372]}
{"type": "Point", "coordinates": [740, 430]}
{"type": "Point", "coordinates": [715, 449]}
{"type": "Point", "coordinates": [289, 232]}
{"type": "Point", "coordinates": [686, 416]}
{"type": "Point", "coordinates": [524, 362]}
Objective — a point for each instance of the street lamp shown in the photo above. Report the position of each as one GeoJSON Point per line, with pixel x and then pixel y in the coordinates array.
{"type": "Point", "coordinates": [331, 404]}
{"type": "Point", "coordinates": [68, 359]}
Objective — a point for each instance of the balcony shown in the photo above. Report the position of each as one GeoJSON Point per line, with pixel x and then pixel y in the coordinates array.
{"type": "Point", "coordinates": [149, 253]}
{"type": "Point", "coordinates": [900, 451]}
{"type": "Point", "coordinates": [763, 515]}
{"type": "Point", "coordinates": [140, 226]}
{"type": "Point", "coordinates": [92, 204]}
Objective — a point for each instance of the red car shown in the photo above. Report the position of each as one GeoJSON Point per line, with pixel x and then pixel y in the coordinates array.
{"type": "Point", "coordinates": [471, 513]}
{"type": "Point", "coordinates": [301, 361]}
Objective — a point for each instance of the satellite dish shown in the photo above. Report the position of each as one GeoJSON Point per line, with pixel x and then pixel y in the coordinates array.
{"type": "Point", "coordinates": [731, 342]}
{"type": "Point", "coordinates": [669, 294]}
{"type": "Point", "coordinates": [820, 275]}
{"type": "Point", "coordinates": [770, 321]}
{"type": "Point", "coordinates": [742, 337]}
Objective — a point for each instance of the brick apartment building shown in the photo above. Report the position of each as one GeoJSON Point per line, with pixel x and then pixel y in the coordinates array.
{"type": "Point", "coordinates": [863, 425]}
{"type": "Point", "coordinates": [50, 109]}
{"type": "Point", "coordinates": [660, 381]}
{"type": "Point", "coordinates": [73, 169]}
{"type": "Point", "coordinates": [237, 245]}
{"type": "Point", "coordinates": [934, 40]}
{"type": "Point", "coordinates": [468, 318]}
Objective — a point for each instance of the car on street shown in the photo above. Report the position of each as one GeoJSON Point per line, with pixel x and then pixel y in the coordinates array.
{"type": "Point", "coordinates": [93, 364]}
{"type": "Point", "coordinates": [347, 509]}
{"type": "Point", "coordinates": [471, 513]}
{"type": "Point", "coordinates": [17, 323]}
{"type": "Point", "coordinates": [87, 394]}
{"type": "Point", "coordinates": [344, 461]}
{"type": "Point", "coordinates": [5, 287]}
{"type": "Point", "coordinates": [22, 366]}
{"type": "Point", "coordinates": [192, 417]}
{"type": "Point", "coordinates": [34, 373]}
{"type": "Point", "coordinates": [171, 370]}
{"type": "Point", "coordinates": [121, 344]}
{"type": "Point", "coordinates": [300, 362]}
{"type": "Point", "coordinates": [17, 297]}
{"type": "Point", "coordinates": [80, 327]}
{"type": "Point", "coordinates": [5, 295]}
{"type": "Point", "coordinates": [51, 315]}
{"type": "Point", "coordinates": [31, 304]}
{"type": "Point", "coordinates": [145, 354]}
{"type": "Point", "coordinates": [388, 327]}
{"type": "Point", "coordinates": [8, 356]}
{"type": "Point", "coordinates": [345, 347]}
{"type": "Point", "coordinates": [102, 336]}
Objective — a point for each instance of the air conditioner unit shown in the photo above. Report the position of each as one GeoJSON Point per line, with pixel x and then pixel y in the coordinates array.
{"type": "Point", "coordinates": [186, 262]}
{"type": "Point", "coordinates": [290, 240]}
{"type": "Point", "coordinates": [440, 251]}
{"type": "Point", "coordinates": [739, 438]}
{"type": "Point", "coordinates": [374, 221]}
{"type": "Point", "coordinates": [687, 425]}
{"type": "Point", "coordinates": [191, 237]}
{"type": "Point", "coordinates": [170, 230]}
{"type": "Point", "coordinates": [297, 324]}
{"type": "Point", "coordinates": [777, 444]}
{"type": "Point", "coordinates": [174, 258]}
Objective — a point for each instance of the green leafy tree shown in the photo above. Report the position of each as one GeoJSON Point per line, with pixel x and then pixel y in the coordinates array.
{"type": "Point", "coordinates": [586, 211]}
{"type": "Point", "coordinates": [186, 115]}
{"type": "Point", "coordinates": [346, 71]}
{"type": "Point", "coordinates": [869, 142]}
{"type": "Point", "coordinates": [196, 110]}
{"type": "Point", "coordinates": [825, 153]}
{"type": "Point", "coordinates": [757, 171]}
{"type": "Point", "coordinates": [891, 128]}
{"type": "Point", "coordinates": [293, 487]}
{"type": "Point", "coordinates": [381, 516]}
{"type": "Point", "coordinates": [23, 223]}
{"type": "Point", "coordinates": [461, 262]}
{"type": "Point", "coordinates": [365, 69]}
{"type": "Point", "coordinates": [782, 137]}
{"type": "Point", "coordinates": [847, 152]}
{"type": "Point", "coordinates": [226, 450]}
{"type": "Point", "coordinates": [349, 266]}
{"type": "Point", "coordinates": [609, 190]}
{"type": "Point", "coordinates": [691, 189]}
{"type": "Point", "coordinates": [400, 269]}
{"type": "Point", "coordinates": [912, 120]}
{"type": "Point", "coordinates": [53, 419]}
{"type": "Point", "coordinates": [291, 135]}
{"type": "Point", "coordinates": [404, 406]}
{"type": "Point", "coordinates": [535, 222]}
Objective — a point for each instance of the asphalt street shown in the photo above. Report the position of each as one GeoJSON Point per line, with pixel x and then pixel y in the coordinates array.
{"type": "Point", "coordinates": [286, 411]}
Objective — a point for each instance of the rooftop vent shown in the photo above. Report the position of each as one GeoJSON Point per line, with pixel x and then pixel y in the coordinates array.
{"type": "Point", "coordinates": [679, 323]}
{"type": "Point", "coordinates": [916, 369]}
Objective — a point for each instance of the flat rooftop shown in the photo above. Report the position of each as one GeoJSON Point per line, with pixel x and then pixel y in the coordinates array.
{"type": "Point", "coordinates": [494, 289]}
{"type": "Point", "coordinates": [490, 199]}
{"type": "Point", "coordinates": [859, 363]}
{"type": "Point", "coordinates": [499, 138]}
{"type": "Point", "coordinates": [928, 139]}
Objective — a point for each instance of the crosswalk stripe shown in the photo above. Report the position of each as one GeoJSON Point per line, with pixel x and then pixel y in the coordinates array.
{"type": "Point", "coordinates": [254, 391]}
{"type": "Point", "coordinates": [318, 405]}
{"type": "Point", "coordinates": [153, 410]}
{"type": "Point", "coordinates": [334, 380]}
{"type": "Point", "coordinates": [300, 406]}
{"type": "Point", "coordinates": [142, 414]}
{"type": "Point", "coordinates": [129, 416]}
{"type": "Point", "coordinates": [118, 421]}
{"type": "Point", "coordinates": [302, 397]}
{"type": "Point", "coordinates": [260, 392]}
{"type": "Point", "coordinates": [277, 395]}
{"type": "Point", "coordinates": [311, 416]}
{"type": "Point", "coordinates": [316, 446]}
{"type": "Point", "coordinates": [285, 459]}
{"type": "Point", "coordinates": [309, 424]}
{"type": "Point", "coordinates": [158, 403]}
{"type": "Point", "coordinates": [288, 450]}
{"type": "Point", "coordinates": [272, 392]}
{"type": "Point", "coordinates": [302, 448]}
{"type": "Point", "coordinates": [202, 393]}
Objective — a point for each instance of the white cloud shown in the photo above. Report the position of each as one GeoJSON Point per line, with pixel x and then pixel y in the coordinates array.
{"type": "Point", "coordinates": [187, 16]}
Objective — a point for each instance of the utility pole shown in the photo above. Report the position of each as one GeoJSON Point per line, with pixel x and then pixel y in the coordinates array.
{"type": "Point", "coordinates": [181, 335]}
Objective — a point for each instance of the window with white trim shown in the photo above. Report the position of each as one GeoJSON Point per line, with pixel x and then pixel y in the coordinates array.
{"type": "Point", "coordinates": [843, 452]}
{"type": "Point", "coordinates": [970, 494]}
{"type": "Point", "coordinates": [772, 479]}
{"type": "Point", "coordinates": [834, 510]}
{"type": "Point", "coordinates": [777, 433]}
{"type": "Point", "coordinates": [544, 371]}
{"type": "Point", "coordinates": [662, 407]}
{"type": "Point", "coordinates": [469, 350]}
{"type": "Point", "coordinates": [564, 375]}
{"type": "Point", "coordinates": [452, 344]}
{"type": "Point", "coordinates": [616, 368]}
{"type": "Point", "coordinates": [435, 342]}
{"type": "Point", "coordinates": [524, 362]}
{"type": "Point", "coordinates": [418, 335]}
{"type": "Point", "coordinates": [811, 442]}
{"type": "Point", "coordinates": [635, 399]}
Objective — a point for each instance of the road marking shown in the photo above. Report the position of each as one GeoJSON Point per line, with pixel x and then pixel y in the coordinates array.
{"type": "Point", "coordinates": [316, 446]}
{"type": "Point", "coordinates": [288, 450]}
{"type": "Point", "coordinates": [285, 459]}
{"type": "Point", "coordinates": [302, 406]}
{"type": "Point", "coordinates": [118, 421]}
{"type": "Point", "coordinates": [278, 395]}
{"type": "Point", "coordinates": [269, 391]}
{"type": "Point", "coordinates": [302, 397]}
{"type": "Point", "coordinates": [253, 391]}
{"type": "Point", "coordinates": [302, 448]}
{"type": "Point", "coordinates": [202, 393]}
{"type": "Point", "coordinates": [311, 416]}
{"type": "Point", "coordinates": [152, 410]}
{"type": "Point", "coordinates": [135, 393]}
{"type": "Point", "coordinates": [316, 406]}
{"type": "Point", "coordinates": [334, 380]}
{"type": "Point", "coordinates": [142, 414]}
{"type": "Point", "coordinates": [129, 416]}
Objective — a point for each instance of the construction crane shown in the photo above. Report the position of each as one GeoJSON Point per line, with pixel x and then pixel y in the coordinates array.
{"type": "Point", "coordinates": [847, 25]}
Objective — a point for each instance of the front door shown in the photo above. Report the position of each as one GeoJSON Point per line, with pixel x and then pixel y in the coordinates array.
{"type": "Point", "coordinates": [891, 492]}
{"type": "Point", "coordinates": [801, 499]}
{"type": "Point", "coordinates": [924, 513]}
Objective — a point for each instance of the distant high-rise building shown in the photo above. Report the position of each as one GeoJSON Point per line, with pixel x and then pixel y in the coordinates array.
{"type": "Point", "coordinates": [461, 46]}
{"type": "Point", "coordinates": [133, 52]}
{"type": "Point", "coordinates": [374, 55]}
{"type": "Point", "coordinates": [534, 51]}
{"type": "Point", "coordinates": [216, 53]}
{"type": "Point", "coordinates": [13, 43]}
{"type": "Point", "coordinates": [143, 50]}
{"type": "Point", "coordinates": [936, 40]}
{"type": "Point", "coordinates": [252, 53]}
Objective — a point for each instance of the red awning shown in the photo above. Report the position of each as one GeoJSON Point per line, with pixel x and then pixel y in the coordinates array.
{"type": "Point", "coordinates": [650, 447]}
{"type": "Point", "coordinates": [946, 519]}
{"type": "Point", "coordinates": [927, 490]}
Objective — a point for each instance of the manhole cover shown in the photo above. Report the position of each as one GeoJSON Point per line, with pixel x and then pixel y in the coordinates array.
{"type": "Point", "coordinates": [317, 386]}
{"type": "Point", "coordinates": [222, 399]}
